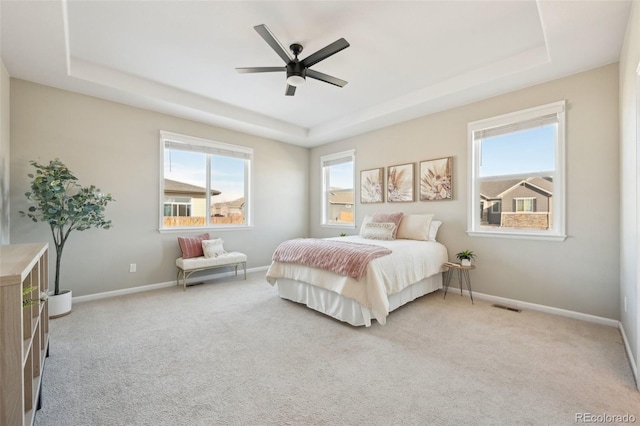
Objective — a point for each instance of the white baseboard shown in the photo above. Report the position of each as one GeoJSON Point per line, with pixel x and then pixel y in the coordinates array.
{"type": "Point", "coordinates": [632, 361]}
{"type": "Point", "coordinates": [542, 308]}
{"type": "Point", "coordinates": [150, 287]}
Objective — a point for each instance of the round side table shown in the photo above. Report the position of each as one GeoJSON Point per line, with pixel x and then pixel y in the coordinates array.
{"type": "Point", "coordinates": [463, 275]}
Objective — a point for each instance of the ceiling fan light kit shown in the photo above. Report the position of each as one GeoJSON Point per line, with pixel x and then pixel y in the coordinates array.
{"type": "Point", "coordinates": [298, 70]}
{"type": "Point", "coordinates": [296, 80]}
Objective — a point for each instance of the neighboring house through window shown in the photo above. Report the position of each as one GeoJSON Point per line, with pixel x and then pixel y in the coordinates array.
{"type": "Point", "coordinates": [204, 184]}
{"type": "Point", "coordinates": [517, 174]}
{"type": "Point", "coordinates": [338, 177]}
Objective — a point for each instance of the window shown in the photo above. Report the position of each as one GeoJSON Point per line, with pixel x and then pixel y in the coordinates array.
{"type": "Point", "coordinates": [517, 161]}
{"type": "Point", "coordinates": [524, 205]}
{"type": "Point", "coordinates": [177, 206]}
{"type": "Point", "coordinates": [338, 177]}
{"type": "Point", "coordinates": [203, 184]}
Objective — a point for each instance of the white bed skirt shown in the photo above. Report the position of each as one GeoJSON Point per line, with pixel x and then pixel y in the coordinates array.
{"type": "Point", "coordinates": [348, 310]}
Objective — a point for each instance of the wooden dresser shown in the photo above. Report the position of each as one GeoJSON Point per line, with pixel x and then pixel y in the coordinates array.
{"type": "Point", "coordinates": [24, 331]}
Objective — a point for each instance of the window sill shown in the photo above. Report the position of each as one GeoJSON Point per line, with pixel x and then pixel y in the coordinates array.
{"type": "Point", "coordinates": [344, 226]}
{"type": "Point", "coordinates": [205, 229]}
{"type": "Point", "coordinates": [518, 235]}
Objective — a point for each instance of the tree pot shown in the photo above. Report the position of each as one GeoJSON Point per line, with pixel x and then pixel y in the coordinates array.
{"type": "Point", "coordinates": [465, 262]}
{"type": "Point", "coordinates": [60, 305]}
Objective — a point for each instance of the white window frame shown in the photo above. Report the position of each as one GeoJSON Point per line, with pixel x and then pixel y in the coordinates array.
{"type": "Point", "coordinates": [474, 129]}
{"type": "Point", "coordinates": [212, 147]}
{"type": "Point", "coordinates": [325, 161]}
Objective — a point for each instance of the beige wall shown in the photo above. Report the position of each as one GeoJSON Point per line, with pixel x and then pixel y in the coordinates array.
{"type": "Point", "coordinates": [116, 147]}
{"type": "Point", "coordinates": [4, 154]}
{"type": "Point", "coordinates": [580, 274]}
{"type": "Point", "coordinates": [629, 178]}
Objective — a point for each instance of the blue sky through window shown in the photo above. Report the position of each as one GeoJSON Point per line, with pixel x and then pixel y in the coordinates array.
{"type": "Point", "coordinates": [526, 151]}
{"type": "Point", "coordinates": [342, 176]}
{"type": "Point", "coordinates": [227, 173]}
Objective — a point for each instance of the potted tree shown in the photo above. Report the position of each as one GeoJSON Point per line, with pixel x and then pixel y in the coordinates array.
{"type": "Point", "coordinates": [465, 257]}
{"type": "Point", "coordinates": [66, 206]}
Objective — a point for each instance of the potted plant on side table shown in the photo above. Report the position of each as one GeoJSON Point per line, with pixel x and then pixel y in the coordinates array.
{"type": "Point", "coordinates": [465, 257]}
{"type": "Point", "coordinates": [66, 206]}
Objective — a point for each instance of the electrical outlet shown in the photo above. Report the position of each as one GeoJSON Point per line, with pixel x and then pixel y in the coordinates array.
{"type": "Point", "coordinates": [132, 267]}
{"type": "Point", "coordinates": [625, 303]}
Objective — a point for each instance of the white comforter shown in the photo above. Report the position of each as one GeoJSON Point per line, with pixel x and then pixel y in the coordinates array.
{"type": "Point", "coordinates": [409, 262]}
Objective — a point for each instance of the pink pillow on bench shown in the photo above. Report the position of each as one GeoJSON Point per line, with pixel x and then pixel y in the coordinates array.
{"type": "Point", "coordinates": [192, 246]}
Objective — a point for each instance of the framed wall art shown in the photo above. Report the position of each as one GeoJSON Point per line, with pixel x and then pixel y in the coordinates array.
{"type": "Point", "coordinates": [371, 185]}
{"type": "Point", "coordinates": [436, 179]}
{"type": "Point", "coordinates": [400, 183]}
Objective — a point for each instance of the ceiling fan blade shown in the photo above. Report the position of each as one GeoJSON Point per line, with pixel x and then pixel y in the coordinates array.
{"type": "Point", "coordinates": [325, 52]}
{"type": "Point", "coordinates": [291, 90]}
{"type": "Point", "coordinates": [272, 41]}
{"type": "Point", "coordinates": [326, 78]}
{"type": "Point", "coordinates": [248, 70]}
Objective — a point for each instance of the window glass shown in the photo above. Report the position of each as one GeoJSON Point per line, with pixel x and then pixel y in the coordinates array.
{"type": "Point", "coordinates": [204, 183]}
{"type": "Point", "coordinates": [338, 173]}
{"type": "Point", "coordinates": [517, 174]}
{"type": "Point", "coordinates": [526, 151]}
{"type": "Point", "coordinates": [227, 179]}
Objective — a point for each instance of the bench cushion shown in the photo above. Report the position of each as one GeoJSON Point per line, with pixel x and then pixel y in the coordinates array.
{"type": "Point", "coordinates": [203, 262]}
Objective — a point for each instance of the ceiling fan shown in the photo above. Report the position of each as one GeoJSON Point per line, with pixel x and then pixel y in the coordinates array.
{"type": "Point", "coordinates": [297, 70]}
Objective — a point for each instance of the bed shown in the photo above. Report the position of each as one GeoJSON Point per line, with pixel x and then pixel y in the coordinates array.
{"type": "Point", "coordinates": [412, 269]}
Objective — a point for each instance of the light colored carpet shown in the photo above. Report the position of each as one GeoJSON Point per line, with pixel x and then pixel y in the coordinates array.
{"type": "Point", "coordinates": [233, 352]}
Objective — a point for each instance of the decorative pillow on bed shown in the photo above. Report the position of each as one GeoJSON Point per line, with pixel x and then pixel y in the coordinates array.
{"type": "Point", "coordinates": [367, 219]}
{"type": "Point", "coordinates": [192, 246]}
{"type": "Point", "coordinates": [415, 227]}
{"type": "Point", "coordinates": [394, 218]}
{"type": "Point", "coordinates": [379, 231]}
{"type": "Point", "coordinates": [433, 229]}
{"type": "Point", "coordinates": [213, 248]}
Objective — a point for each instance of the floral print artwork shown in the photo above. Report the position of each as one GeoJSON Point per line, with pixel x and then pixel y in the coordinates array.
{"type": "Point", "coordinates": [371, 183]}
{"type": "Point", "coordinates": [400, 183]}
{"type": "Point", "coordinates": [436, 179]}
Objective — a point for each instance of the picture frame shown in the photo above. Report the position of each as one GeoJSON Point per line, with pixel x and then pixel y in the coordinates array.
{"type": "Point", "coordinates": [400, 187]}
{"type": "Point", "coordinates": [436, 179]}
{"type": "Point", "coordinates": [372, 186]}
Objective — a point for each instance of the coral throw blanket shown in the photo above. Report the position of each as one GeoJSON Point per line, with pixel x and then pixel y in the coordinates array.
{"type": "Point", "coordinates": [344, 258]}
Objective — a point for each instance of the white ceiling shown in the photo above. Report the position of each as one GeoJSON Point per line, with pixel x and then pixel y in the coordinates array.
{"type": "Point", "coordinates": [406, 59]}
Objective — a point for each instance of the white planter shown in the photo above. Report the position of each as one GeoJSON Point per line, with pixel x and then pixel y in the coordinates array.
{"type": "Point", "coordinates": [60, 305]}
{"type": "Point", "coordinates": [465, 262]}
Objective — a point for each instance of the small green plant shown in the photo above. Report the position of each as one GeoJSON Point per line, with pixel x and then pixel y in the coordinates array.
{"type": "Point", "coordinates": [466, 255]}
{"type": "Point", "coordinates": [343, 234]}
{"type": "Point", "coordinates": [28, 301]}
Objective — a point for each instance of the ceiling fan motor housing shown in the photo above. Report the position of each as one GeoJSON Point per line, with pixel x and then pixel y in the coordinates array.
{"type": "Point", "coordinates": [296, 68]}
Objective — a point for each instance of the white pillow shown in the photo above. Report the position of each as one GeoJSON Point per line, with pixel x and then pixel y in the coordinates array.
{"type": "Point", "coordinates": [367, 218]}
{"type": "Point", "coordinates": [433, 229]}
{"type": "Point", "coordinates": [415, 227]}
{"type": "Point", "coordinates": [379, 230]}
{"type": "Point", "coordinates": [213, 248]}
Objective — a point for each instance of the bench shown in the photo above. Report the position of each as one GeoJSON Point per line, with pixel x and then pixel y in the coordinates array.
{"type": "Point", "coordinates": [186, 267]}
